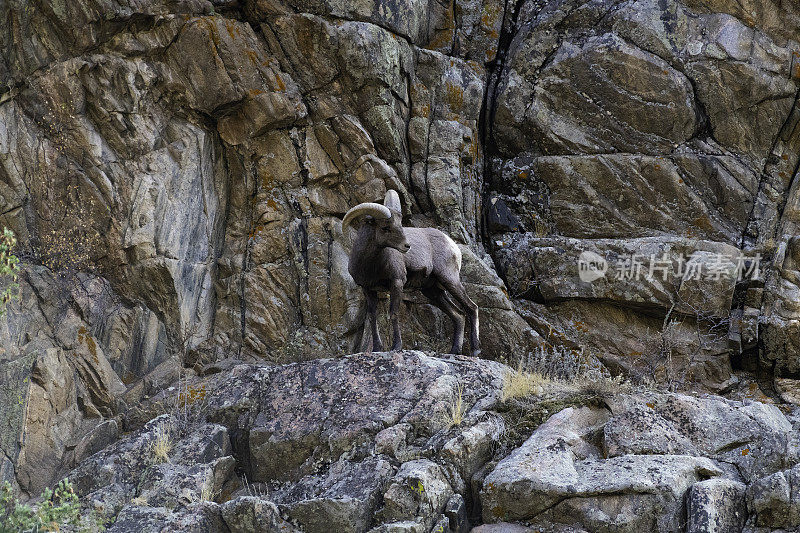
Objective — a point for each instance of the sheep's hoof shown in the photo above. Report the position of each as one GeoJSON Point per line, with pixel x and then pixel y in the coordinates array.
{"type": "Point", "coordinates": [397, 347]}
{"type": "Point", "coordinates": [476, 353]}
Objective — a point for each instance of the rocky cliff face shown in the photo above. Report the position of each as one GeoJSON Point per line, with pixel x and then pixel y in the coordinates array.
{"type": "Point", "coordinates": [407, 442]}
{"type": "Point", "coordinates": [176, 172]}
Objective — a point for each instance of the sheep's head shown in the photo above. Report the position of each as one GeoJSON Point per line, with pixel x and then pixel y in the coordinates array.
{"type": "Point", "coordinates": [386, 222]}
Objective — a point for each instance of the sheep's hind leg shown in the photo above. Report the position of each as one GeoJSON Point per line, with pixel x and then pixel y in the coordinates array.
{"type": "Point", "coordinates": [394, 313]}
{"type": "Point", "coordinates": [372, 310]}
{"type": "Point", "coordinates": [440, 299]}
{"type": "Point", "coordinates": [457, 291]}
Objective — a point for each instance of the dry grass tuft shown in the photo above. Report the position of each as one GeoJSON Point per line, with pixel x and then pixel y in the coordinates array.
{"type": "Point", "coordinates": [604, 386]}
{"type": "Point", "coordinates": [519, 384]}
{"type": "Point", "coordinates": [558, 369]}
{"type": "Point", "coordinates": [139, 501]}
{"type": "Point", "coordinates": [206, 494]}
{"type": "Point", "coordinates": [162, 445]}
{"type": "Point", "coordinates": [457, 407]}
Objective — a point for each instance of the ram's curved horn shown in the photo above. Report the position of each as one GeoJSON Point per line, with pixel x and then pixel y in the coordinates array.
{"type": "Point", "coordinates": [392, 201]}
{"type": "Point", "coordinates": [367, 208]}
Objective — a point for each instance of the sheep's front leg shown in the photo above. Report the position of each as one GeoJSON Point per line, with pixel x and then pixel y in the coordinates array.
{"type": "Point", "coordinates": [394, 312]}
{"type": "Point", "coordinates": [372, 310]}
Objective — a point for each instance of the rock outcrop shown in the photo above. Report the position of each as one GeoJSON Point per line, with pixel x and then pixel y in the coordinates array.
{"type": "Point", "coordinates": [632, 464]}
{"type": "Point", "coordinates": [176, 173]}
{"type": "Point", "coordinates": [407, 441]}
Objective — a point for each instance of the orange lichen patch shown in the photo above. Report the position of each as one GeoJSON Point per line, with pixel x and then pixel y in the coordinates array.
{"type": "Point", "coordinates": [473, 148]}
{"type": "Point", "coordinates": [267, 179]}
{"type": "Point", "coordinates": [256, 231]}
{"type": "Point", "coordinates": [746, 451]}
{"type": "Point", "coordinates": [441, 38]}
{"type": "Point", "coordinates": [306, 40]}
{"type": "Point", "coordinates": [128, 377]}
{"type": "Point", "coordinates": [657, 166]}
{"type": "Point", "coordinates": [233, 28]}
{"type": "Point", "coordinates": [252, 55]}
{"type": "Point", "coordinates": [191, 395]}
{"type": "Point", "coordinates": [92, 346]}
{"type": "Point", "coordinates": [651, 405]}
{"type": "Point", "coordinates": [255, 92]}
{"type": "Point", "coordinates": [454, 96]}
{"type": "Point", "coordinates": [704, 223]}
{"type": "Point", "coordinates": [580, 326]}
{"type": "Point", "coordinates": [522, 174]}
{"type": "Point", "coordinates": [785, 157]}
{"type": "Point", "coordinates": [280, 83]}
{"type": "Point", "coordinates": [85, 337]}
{"type": "Point", "coordinates": [211, 28]}
{"type": "Point", "coordinates": [490, 16]}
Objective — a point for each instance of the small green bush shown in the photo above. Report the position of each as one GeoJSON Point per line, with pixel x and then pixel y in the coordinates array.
{"type": "Point", "coordinates": [58, 508]}
{"type": "Point", "coordinates": [9, 268]}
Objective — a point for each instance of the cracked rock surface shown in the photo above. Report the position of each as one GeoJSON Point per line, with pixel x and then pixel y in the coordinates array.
{"type": "Point", "coordinates": [176, 173]}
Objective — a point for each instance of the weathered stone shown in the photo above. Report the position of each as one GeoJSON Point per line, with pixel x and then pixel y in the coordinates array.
{"type": "Point", "coordinates": [715, 506]}
{"type": "Point", "coordinates": [343, 499]}
{"type": "Point", "coordinates": [648, 272]}
{"type": "Point", "coordinates": [199, 465]}
{"type": "Point", "coordinates": [346, 402]}
{"type": "Point", "coordinates": [502, 527]}
{"type": "Point", "coordinates": [248, 514]}
{"type": "Point", "coordinates": [573, 471]}
{"type": "Point", "coordinates": [636, 344]}
{"type": "Point", "coordinates": [419, 490]}
{"type": "Point", "coordinates": [775, 499]}
{"type": "Point", "coordinates": [455, 515]}
{"type": "Point", "coordinates": [636, 101]}
{"type": "Point", "coordinates": [98, 438]}
{"type": "Point", "coordinates": [789, 389]}
{"type": "Point", "coordinates": [176, 173]}
{"type": "Point", "coordinates": [200, 518]}
{"type": "Point", "coordinates": [472, 448]}
{"type": "Point", "coordinates": [756, 437]}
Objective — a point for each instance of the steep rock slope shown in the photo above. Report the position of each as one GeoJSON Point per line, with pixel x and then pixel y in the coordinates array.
{"type": "Point", "coordinates": [177, 171]}
{"type": "Point", "coordinates": [371, 443]}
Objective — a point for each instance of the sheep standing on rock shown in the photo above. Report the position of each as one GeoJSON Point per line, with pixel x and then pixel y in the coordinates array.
{"type": "Point", "coordinates": [388, 257]}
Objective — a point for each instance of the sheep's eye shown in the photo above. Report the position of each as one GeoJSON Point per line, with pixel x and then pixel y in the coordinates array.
{"type": "Point", "coordinates": [386, 230]}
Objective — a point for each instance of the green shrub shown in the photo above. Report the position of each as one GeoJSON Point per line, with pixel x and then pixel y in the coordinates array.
{"type": "Point", "coordinates": [9, 268]}
{"type": "Point", "coordinates": [58, 508]}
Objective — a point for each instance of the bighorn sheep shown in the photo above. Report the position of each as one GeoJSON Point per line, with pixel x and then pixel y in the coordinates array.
{"type": "Point", "coordinates": [387, 256]}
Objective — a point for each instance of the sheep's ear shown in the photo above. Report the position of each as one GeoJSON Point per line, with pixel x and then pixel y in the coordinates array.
{"type": "Point", "coordinates": [392, 201]}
